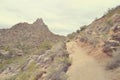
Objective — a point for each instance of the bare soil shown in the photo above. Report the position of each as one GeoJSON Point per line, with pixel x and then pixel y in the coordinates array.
{"type": "Point", "coordinates": [84, 67]}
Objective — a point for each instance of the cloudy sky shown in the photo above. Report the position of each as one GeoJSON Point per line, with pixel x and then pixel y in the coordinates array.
{"type": "Point", "coordinates": [61, 16]}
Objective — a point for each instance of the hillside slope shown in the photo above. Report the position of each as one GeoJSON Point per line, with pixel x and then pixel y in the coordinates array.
{"type": "Point", "coordinates": [30, 51]}
{"type": "Point", "coordinates": [102, 38]}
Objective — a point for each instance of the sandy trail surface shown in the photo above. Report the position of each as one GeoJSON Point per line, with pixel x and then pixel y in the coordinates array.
{"type": "Point", "coordinates": [83, 67]}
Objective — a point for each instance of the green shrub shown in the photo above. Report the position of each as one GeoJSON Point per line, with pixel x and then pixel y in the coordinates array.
{"type": "Point", "coordinates": [29, 74]}
{"type": "Point", "coordinates": [78, 31]}
{"type": "Point", "coordinates": [72, 36]}
{"type": "Point", "coordinates": [115, 62]}
{"type": "Point", "coordinates": [46, 45]}
{"type": "Point", "coordinates": [109, 22]}
{"type": "Point", "coordinates": [83, 28]}
{"type": "Point", "coordinates": [66, 60]}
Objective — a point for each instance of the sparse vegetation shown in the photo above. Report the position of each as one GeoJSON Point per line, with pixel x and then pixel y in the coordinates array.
{"type": "Point", "coordinates": [78, 31]}
{"type": "Point", "coordinates": [46, 45]}
{"type": "Point", "coordinates": [83, 28]}
{"type": "Point", "coordinates": [32, 52]}
{"type": "Point", "coordinates": [109, 22]}
{"type": "Point", "coordinates": [56, 57]}
{"type": "Point", "coordinates": [115, 62]}
{"type": "Point", "coordinates": [71, 36]}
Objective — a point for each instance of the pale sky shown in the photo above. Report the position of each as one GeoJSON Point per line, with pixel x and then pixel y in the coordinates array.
{"type": "Point", "coordinates": [61, 16]}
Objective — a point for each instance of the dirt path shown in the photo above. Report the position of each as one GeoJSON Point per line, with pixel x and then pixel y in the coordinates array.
{"type": "Point", "coordinates": [83, 66]}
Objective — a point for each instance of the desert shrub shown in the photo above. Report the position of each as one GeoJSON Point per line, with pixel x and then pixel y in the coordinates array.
{"type": "Point", "coordinates": [67, 61]}
{"type": "Point", "coordinates": [112, 11]}
{"type": "Point", "coordinates": [78, 31]}
{"type": "Point", "coordinates": [26, 75]}
{"type": "Point", "coordinates": [6, 48]}
{"type": "Point", "coordinates": [61, 63]}
{"type": "Point", "coordinates": [57, 73]}
{"type": "Point", "coordinates": [83, 28]}
{"type": "Point", "coordinates": [31, 66]}
{"type": "Point", "coordinates": [115, 62]}
{"type": "Point", "coordinates": [109, 22]}
{"type": "Point", "coordinates": [72, 35]}
{"type": "Point", "coordinates": [46, 45]}
{"type": "Point", "coordinates": [109, 12]}
{"type": "Point", "coordinates": [14, 60]}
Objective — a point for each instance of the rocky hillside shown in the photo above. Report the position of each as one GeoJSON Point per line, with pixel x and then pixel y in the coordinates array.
{"type": "Point", "coordinates": [30, 51]}
{"type": "Point", "coordinates": [102, 37]}
{"type": "Point", "coordinates": [24, 36]}
{"type": "Point", "coordinates": [104, 32]}
{"type": "Point", "coordinates": [28, 34]}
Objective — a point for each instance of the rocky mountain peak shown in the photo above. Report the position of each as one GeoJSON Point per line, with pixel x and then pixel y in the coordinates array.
{"type": "Point", "coordinates": [39, 21]}
{"type": "Point", "coordinates": [28, 33]}
{"type": "Point", "coordinates": [37, 26]}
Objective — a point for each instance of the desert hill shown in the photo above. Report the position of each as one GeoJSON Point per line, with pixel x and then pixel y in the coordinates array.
{"type": "Point", "coordinates": [30, 51]}
{"type": "Point", "coordinates": [102, 40]}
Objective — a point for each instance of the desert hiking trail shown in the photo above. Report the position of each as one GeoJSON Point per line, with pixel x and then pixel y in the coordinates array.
{"type": "Point", "coordinates": [83, 67]}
